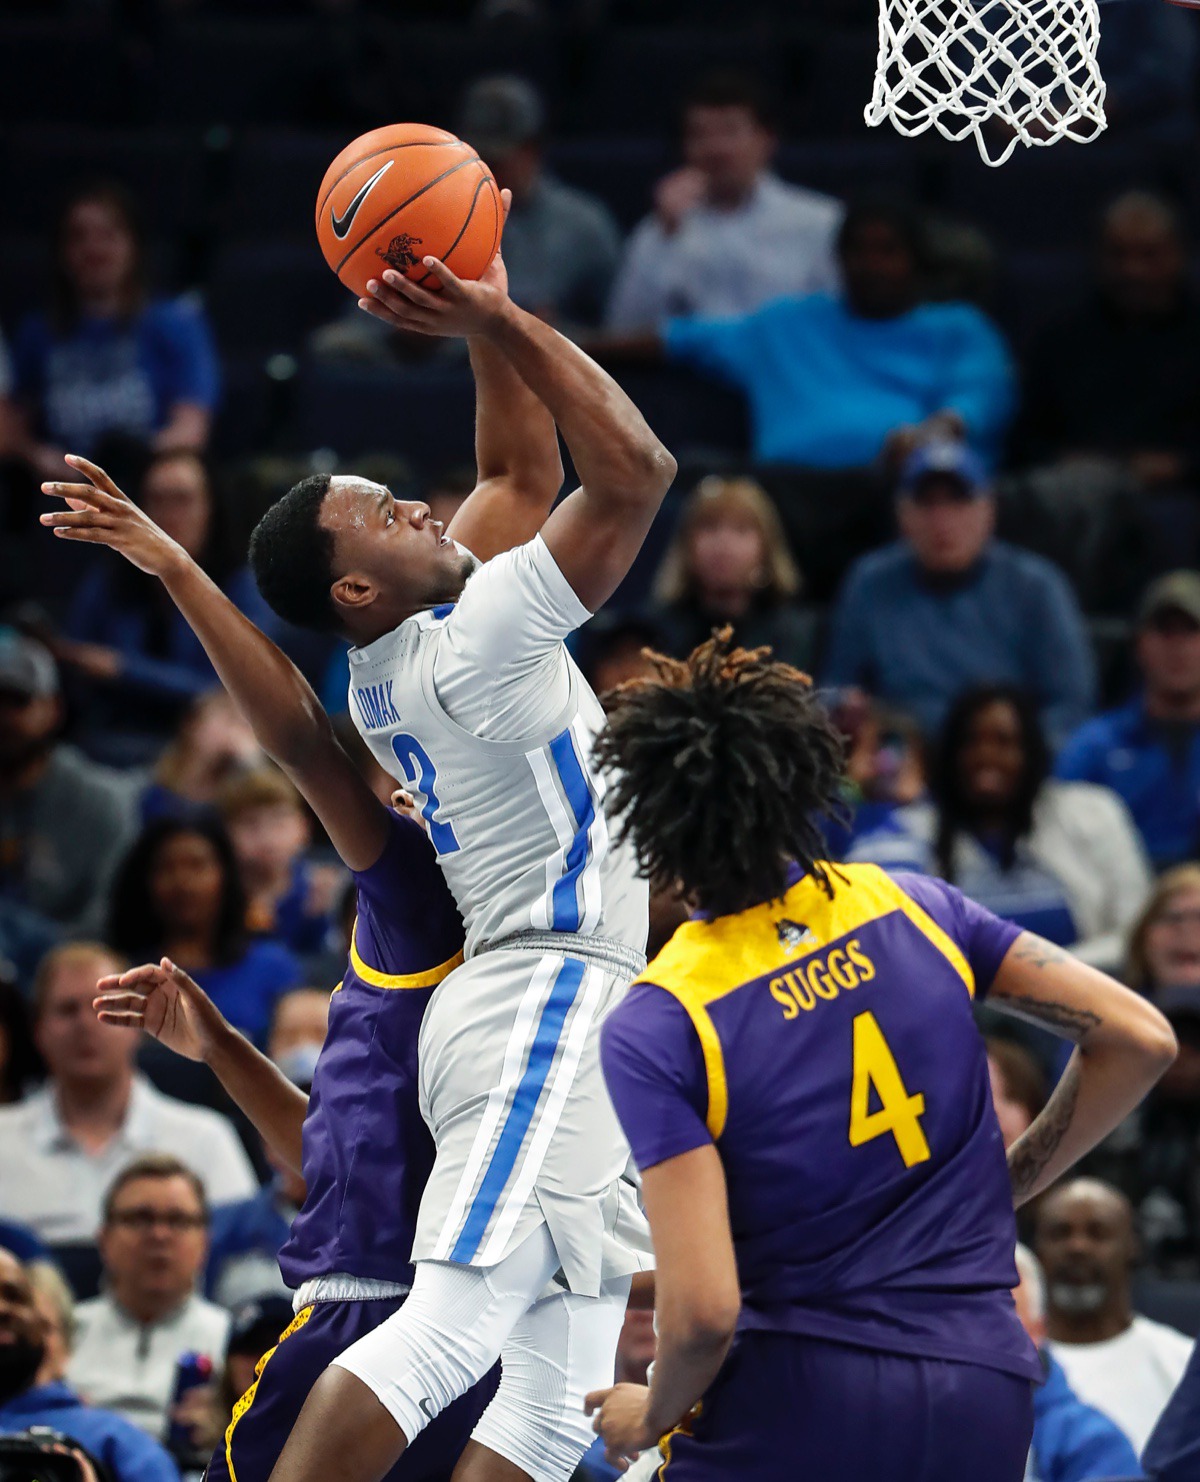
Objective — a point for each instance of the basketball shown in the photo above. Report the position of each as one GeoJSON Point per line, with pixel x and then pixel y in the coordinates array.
{"type": "Point", "coordinates": [403, 193]}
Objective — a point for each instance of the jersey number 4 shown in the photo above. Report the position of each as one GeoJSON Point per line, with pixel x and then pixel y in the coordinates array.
{"type": "Point", "coordinates": [421, 773]}
{"type": "Point", "coordinates": [899, 1113]}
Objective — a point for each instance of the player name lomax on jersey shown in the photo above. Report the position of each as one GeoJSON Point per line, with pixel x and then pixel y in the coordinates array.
{"type": "Point", "coordinates": [376, 706]}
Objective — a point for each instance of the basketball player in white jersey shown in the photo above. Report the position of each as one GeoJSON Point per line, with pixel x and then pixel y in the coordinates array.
{"type": "Point", "coordinates": [464, 690]}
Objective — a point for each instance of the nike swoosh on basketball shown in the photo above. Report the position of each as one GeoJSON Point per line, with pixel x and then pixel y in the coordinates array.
{"type": "Point", "coordinates": [342, 224]}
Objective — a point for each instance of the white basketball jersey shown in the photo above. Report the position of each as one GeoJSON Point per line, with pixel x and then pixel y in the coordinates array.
{"type": "Point", "coordinates": [478, 710]}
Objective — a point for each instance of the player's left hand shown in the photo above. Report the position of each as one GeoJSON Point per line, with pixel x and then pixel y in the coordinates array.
{"type": "Point", "coordinates": [621, 1422]}
{"type": "Point", "coordinates": [462, 308]}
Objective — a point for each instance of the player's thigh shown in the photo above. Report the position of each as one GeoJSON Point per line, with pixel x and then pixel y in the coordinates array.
{"type": "Point", "coordinates": [562, 1349]}
{"type": "Point", "coordinates": [785, 1406]}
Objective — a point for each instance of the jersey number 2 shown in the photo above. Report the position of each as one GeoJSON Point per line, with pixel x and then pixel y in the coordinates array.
{"type": "Point", "coordinates": [899, 1113]}
{"type": "Point", "coordinates": [421, 773]}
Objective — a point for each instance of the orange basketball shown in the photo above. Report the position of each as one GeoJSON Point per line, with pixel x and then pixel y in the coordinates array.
{"type": "Point", "coordinates": [400, 194]}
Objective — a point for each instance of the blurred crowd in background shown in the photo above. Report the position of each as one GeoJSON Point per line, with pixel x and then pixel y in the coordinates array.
{"type": "Point", "coordinates": [939, 438]}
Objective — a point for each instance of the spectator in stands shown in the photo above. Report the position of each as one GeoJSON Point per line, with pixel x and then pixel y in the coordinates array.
{"type": "Point", "coordinates": [178, 894]}
{"type": "Point", "coordinates": [28, 1399]}
{"type": "Point", "coordinates": [1119, 377]}
{"type": "Point", "coordinates": [107, 359]}
{"type": "Point", "coordinates": [153, 1241]}
{"type": "Point", "coordinates": [560, 245]}
{"type": "Point", "coordinates": [1060, 859]}
{"type": "Point", "coordinates": [64, 821]}
{"type": "Point", "coordinates": [255, 1329]}
{"type": "Point", "coordinates": [1123, 1364]}
{"type": "Point", "coordinates": [836, 382]}
{"type": "Point", "coordinates": [1164, 1173]}
{"type": "Point", "coordinates": [1072, 1441]}
{"type": "Point", "coordinates": [212, 744]}
{"type": "Point", "coordinates": [726, 235]}
{"type": "Point", "coordinates": [20, 1064]}
{"type": "Point", "coordinates": [125, 636]}
{"type": "Point", "coordinates": [729, 562]}
{"type": "Point", "coordinates": [61, 1147]}
{"type": "Point", "coordinates": [635, 1353]}
{"type": "Point", "coordinates": [298, 1028]}
{"type": "Point", "coordinates": [947, 606]}
{"type": "Point", "coordinates": [1148, 751]}
{"type": "Point", "coordinates": [55, 1303]}
{"type": "Point", "coordinates": [613, 648]}
{"type": "Point", "coordinates": [885, 767]}
{"type": "Point", "coordinates": [290, 899]}
{"type": "Point", "coordinates": [1018, 1087]}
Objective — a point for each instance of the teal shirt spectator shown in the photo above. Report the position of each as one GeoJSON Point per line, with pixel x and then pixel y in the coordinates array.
{"type": "Point", "coordinates": [917, 642]}
{"type": "Point", "coordinates": [129, 1454]}
{"type": "Point", "coordinates": [106, 376]}
{"type": "Point", "coordinates": [1072, 1442]}
{"type": "Point", "coordinates": [825, 386]}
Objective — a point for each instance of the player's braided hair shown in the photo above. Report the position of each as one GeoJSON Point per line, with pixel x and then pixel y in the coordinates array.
{"type": "Point", "coordinates": [720, 768]}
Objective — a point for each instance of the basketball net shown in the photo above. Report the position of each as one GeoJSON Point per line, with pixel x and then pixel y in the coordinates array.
{"type": "Point", "coordinates": [1007, 71]}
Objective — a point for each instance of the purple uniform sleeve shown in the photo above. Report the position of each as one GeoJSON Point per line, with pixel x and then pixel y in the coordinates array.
{"type": "Point", "coordinates": [983, 937]}
{"type": "Point", "coordinates": [654, 1070]}
{"type": "Point", "coordinates": [414, 920]}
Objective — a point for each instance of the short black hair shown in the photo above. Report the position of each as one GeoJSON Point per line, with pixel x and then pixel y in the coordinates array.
{"type": "Point", "coordinates": [729, 88]}
{"type": "Point", "coordinates": [291, 556]}
{"type": "Point", "coordinates": [721, 768]}
{"type": "Point", "coordinates": [900, 214]}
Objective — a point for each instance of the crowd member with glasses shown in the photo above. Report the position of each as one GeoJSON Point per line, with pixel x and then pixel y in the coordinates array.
{"type": "Point", "coordinates": [61, 1147]}
{"type": "Point", "coordinates": [153, 1243]}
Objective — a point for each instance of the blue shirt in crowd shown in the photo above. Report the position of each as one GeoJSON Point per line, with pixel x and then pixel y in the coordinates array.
{"type": "Point", "coordinates": [244, 1248]}
{"type": "Point", "coordinates": [919, 642]}
{"type": "Point", "coordinates": [1153, 767]}
{"type": "Point", "coordinates": [825, 387]}
{"type": "Point", "coordinates": [114, 375]}
{"type": "Point", "coordinates": [245, 990]}
{"type": "Point", "coordinates": [1072, 1442]}
{"type": "Point", "coordinates": [129, 1454]}
{"type": "Point", "coordinates": [1172, 1453]}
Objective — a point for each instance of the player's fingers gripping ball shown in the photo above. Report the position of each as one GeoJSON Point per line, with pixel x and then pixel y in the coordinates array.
{"type": "Point", "coordinates": [403, 193]}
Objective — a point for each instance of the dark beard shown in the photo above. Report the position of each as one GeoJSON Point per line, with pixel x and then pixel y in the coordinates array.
{"type": "Point", "coordinates": [19, 1363]}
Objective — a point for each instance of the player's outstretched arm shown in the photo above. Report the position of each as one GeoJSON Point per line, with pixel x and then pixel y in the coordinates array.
{"type": "Point", "coordinates": [266, 686]}
{"type": "Point", "coordinates": [162, 1000]}
{"type": "Point", "coordinates": [624, 470]}
{"type": "Point", "coordinates": [1123, 1044]}
{"type": "Point", "coordinates": [697, 1301]}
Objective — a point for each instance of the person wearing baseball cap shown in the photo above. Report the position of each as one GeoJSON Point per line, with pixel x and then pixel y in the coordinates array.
{"type": "Point", "coordinates": [560, 245]}
{"type": "Point", "coordinates": [1148, 750]}
{"type": "Point", "coordinates": [64, 821]}
{"type": "Point", "coordinates": [948, 606]}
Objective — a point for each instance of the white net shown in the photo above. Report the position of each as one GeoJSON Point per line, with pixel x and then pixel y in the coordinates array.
{"type": "Point", "coordinates": [1008, 72]}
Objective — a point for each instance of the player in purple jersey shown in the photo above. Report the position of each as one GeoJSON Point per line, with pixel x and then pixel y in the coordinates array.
{"type": "Point", "coordinates": [365, 1151]}
{"type": "Point", "coordinates": [803, 1086]}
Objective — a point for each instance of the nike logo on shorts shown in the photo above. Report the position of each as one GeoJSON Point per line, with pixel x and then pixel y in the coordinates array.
{"type": "Point", "coordinates": [426, 1405]}
{"type": "Point", "coordinates": [342, 224]}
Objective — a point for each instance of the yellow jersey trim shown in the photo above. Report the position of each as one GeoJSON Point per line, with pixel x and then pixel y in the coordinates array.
{"type": "Point", "coordinates": [247, 1399]}
{"type": "Point", "coordinates": [714, 1060]}
{"type": "Point", "coordinates": [376, 979]}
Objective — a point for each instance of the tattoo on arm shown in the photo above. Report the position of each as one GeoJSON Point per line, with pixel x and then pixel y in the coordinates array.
{"type": "Point", "coordinates": [1035, 1147]}
{"type": "Point", "coordinates": [1074, 1022]}
{"type": "Point", "coordinates": [1038, 952]}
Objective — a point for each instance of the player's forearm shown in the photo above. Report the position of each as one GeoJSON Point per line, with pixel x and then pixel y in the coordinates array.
{"type": "Point", "coordinates": [687, 1361]}
{"type": "Point", "coordinates": [274, 696]}
{"type": "Point", "coordinates": [275, 1107]}
{"type": "Point", "coordinates": [515, 436]}
{"type": "Point", "coordinates": [616, 455]}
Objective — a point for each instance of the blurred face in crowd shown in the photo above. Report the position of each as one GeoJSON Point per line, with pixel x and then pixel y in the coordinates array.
{"type": "Point", "coordinates": [176, 496]}
{"type": "Point", "coordinates": [620, 662]}
{"type": "Point", "coordinates": [99, 252]}
{"type": "Point", "coordinates": [21, 1337]}
{"type": "Point", "coordinates": [268, 837]}
{"type": "Point", "coordinates": [1085, 1243]}
{"type": "Point", "coordinates": [947, 528]}
{"type": "Point", "coordinates": [635, 1346]}
{"type": "Point", "coordinates": [517, 169]}
{"type": "Point", "coordinates": [57, 1348]}
{"type": "Point", "coordinates": [726, 554]}
{"type": "Point", "coordinates": [1168, 651]}
{"type": "Point", "coordinates": [1142, 261]}
{"type": "Point", "coordinates": [77, 1048]}
{"type": "Point", "coordinates": [1013, 1115]}
{"type": "Point", "coordinates": [729, 145]}
{"type": "Point", "coordinates": [301, 1020]}
{"type": "Point", "coordinates": [992, 761]}
{"type": "Point", "coordinates": [28, 727]}
{"type": "Point", "coordinates": [153, 1244]}
{"type": "Point", "coordinates": [879, 270]}
{"type": "Point", "coordinates": [186, 882]}
{"type": "Point", "coordinates": [1172, 941]}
